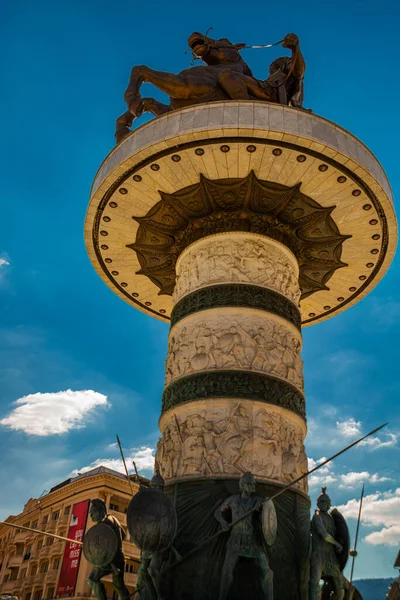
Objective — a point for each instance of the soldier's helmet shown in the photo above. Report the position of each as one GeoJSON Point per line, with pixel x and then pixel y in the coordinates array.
{"type": "Point", "coordinates": [323, 499]}
{"type": "Point", "coordinates": [157, 480]}
{"type": "Point", "coordinates": [246, 479]}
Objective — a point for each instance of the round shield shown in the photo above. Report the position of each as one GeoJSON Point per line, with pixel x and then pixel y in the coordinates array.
{"type": "Point", "coordinates": [342, 536]}
{"type": "Point", "coordinates": [100, 545]}
{"type": "Point", "coordinates": [152, 520]}
{"type": "Point", "coordinates": [269, 522]}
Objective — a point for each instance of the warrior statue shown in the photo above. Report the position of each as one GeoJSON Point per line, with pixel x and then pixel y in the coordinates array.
{"type": "Point", "coordinates": [226, 76]}
{"type": "Point", "coordinates": [150, 580]}
{"type": "Point", "coordinates": [245, 540]}
{"type": "Point", "coordinates": [98, 513]}
{"type": "Point", "coordinates": [330, 550]}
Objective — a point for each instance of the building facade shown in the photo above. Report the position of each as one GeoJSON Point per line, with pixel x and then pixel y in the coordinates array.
{"type": "Point", "coordinates": [34, 566]}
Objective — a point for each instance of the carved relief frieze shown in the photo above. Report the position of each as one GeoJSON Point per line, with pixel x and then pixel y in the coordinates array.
{"type": "Point", "coordinates": [237, 258]}
{"type": "Point", "coordinates": [242, 339]}
{"type": "Point", "coordinates": [228, 439]}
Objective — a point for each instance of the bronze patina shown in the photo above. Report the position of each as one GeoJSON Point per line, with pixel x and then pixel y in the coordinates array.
{"type": "Point", "coordinates": [226, 76]}
{"type": "Point", "coordinates": [240, 513]}
{"type": "Point", "coordinates": [100, 545]}
{"type": "Point", "coordinates": [151, 581]}
{"type": "Point", "coordinates": [330, 549]}
{"type": "Point", "coordinates": [105, 550]}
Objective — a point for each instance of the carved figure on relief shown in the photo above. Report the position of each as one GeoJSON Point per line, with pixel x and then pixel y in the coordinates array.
{"type": "Point", "coordinates": [226, 343]}
{"type": "Point", "coordinates": [237, 261]}
{"type": "Point", "coordinates": [232, 441]}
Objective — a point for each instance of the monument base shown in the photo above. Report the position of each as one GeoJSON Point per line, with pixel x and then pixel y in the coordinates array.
{"type": "Point", "coordinates": [198, 577]}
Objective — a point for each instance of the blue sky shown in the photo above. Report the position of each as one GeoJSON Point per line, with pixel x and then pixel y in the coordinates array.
{"type": "Point", "coordinates": [65, 66]}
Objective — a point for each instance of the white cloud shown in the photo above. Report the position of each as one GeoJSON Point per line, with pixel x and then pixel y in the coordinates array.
{"type": "Point", "coordinates": [376, 443]}
{"type": "Point", "coordinates": [324, 475]}
{"type": "Point", "coordinates": [390, 536]}
{"type": "Point", "coordinates": [349, 428]}
{"type": "Point", "coordinates": [3, 262]}
{"type": "Point", "coordinates": [51, 413]}
{"type": "Point", "coordinates": [353, 479]}
{"type": "Point", "coordinates": [143, 457]}
{"type": "Point", "coordinates": [380, 510]}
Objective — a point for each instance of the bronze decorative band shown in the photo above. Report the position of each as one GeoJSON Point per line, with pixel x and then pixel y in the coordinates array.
{"type": "Point", "coordinates": [237, 294]}
{"type": "Point", "coordinates": [234, 384]}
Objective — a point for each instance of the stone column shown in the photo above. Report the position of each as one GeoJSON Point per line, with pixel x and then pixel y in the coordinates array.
{"type": "Point", "coordinates": [233, 398]}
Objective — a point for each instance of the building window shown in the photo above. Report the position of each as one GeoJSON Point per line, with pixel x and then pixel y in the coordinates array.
{"type": "Point", "coordinates": [56, 563]}
{"type": "Point", "coordinates": [28, 596]}
{"type": "Point", "coordinates": [49, 541]}
{"type": "Point", "coordinates": [55, 515]}
{"type": "Point", "coordinates": [26, 524]}
{"type": "Point", "coordinates": [114, 507]}
{"type": "Point", "coordinates": [34, 524]}
{"type": "Point", "coordinates": [50, 593]}
{"type": "Point", "coordinates": [129, 568]}
{"type": "Point", "coordinates": [44, 567]}
{"type": "Point", "coordinates": [67, 510]}
{"type": "Point", "coordinates": [44, 521]}
{"type": "Point", "coordinates": [38, 595]}
{"type": "Point", "coordinates": [39, 544]}
{"type": "Point", "coordinates": [23, 573]}
{"type": "Point", "coordinates": [33, 570]}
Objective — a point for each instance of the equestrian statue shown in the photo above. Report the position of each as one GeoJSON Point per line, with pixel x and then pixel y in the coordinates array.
{"type": "Point", "coordinates": [226, 76]}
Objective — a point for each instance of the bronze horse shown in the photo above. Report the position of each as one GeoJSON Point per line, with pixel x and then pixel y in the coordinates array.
{"type": "Point", "coordinates": [226, 76]}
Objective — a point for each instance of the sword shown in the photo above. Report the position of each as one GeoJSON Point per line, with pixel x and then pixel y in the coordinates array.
{"type": "Point", "coordinates": [281, 491]}
{"type": "Point", "coordinates": [356, 539]}
{"type": "Point", "coordinates": [123, 460]}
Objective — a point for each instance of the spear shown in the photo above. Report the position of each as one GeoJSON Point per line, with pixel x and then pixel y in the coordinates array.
{"type": "Point", "coordinates": [281, 491]}
{"type": "Point", "coordinates": [356, 539]}
{"type": "Point", "coordinates": [123, 460]}
{"type": "Point", "coordinates": [53, 535]}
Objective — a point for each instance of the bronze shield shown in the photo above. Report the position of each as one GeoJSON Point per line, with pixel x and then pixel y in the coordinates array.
{"type": "Point", "coordinates": [100, 545]}
{"type": "Point", "coordinates": [342, 536]}
{"type": "Point", "coordinates": [152, 520]}
{"type": "Point", "coordinates": [269, 522]}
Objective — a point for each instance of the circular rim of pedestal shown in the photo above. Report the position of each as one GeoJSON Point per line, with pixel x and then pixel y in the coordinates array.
{"type": "Point", "coordinates": [338, 170]}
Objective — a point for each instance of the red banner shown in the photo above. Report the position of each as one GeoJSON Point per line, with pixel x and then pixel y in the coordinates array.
{"type": "Point", "coordinates": [72, 552]}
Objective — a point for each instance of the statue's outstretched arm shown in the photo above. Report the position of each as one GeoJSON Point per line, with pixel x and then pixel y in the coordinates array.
{"type": "Point", "coordinates": [291, 41]}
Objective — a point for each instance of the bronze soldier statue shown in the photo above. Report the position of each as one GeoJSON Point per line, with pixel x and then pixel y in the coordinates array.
{"type": "Point", "coordinates": [245, 540]}
{"type": "Point", "coordinates": [98, 513]}
{"type": "Point", "coordinates": [150, 581]}
{"type": "Point", "coordinates": [330, 549]}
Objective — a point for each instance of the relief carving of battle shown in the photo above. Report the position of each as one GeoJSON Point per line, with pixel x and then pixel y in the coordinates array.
{"type": "Point", "coordinates": [237, 259]}
{"type": "Point", "coordinates": [243, 340]}
{"type": "Point", "coordinates": [231, 440]}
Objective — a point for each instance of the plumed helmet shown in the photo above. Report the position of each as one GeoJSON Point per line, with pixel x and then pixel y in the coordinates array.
{"type": "Point", "coordinates": [157, 479]}
{"type": "Point", "coordinates": [324, 496]}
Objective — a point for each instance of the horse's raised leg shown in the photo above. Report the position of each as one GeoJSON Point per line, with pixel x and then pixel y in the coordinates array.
{"type": "Point", "coordinates": [173, 85]}
{"type": "Point", "coordinates": [155, 107]}
{"type": "Point", "coordinates": [123, 124]}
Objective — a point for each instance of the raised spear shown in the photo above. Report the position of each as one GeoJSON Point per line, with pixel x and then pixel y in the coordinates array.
{"type": "Point", "coordinates": [356, 539]}
{"type": "Point", "coordinates": [123, 460]}
{"type": "Point", "coordinates": [53, 535]}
